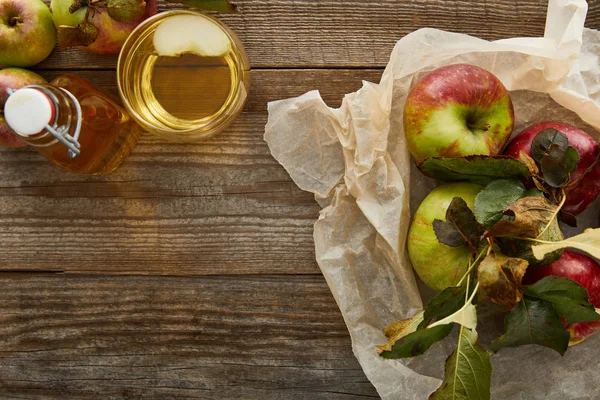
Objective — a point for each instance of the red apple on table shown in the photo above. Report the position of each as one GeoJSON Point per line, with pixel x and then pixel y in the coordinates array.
{"type": "Point", "coordinates": [13, 78]}
{"type": "Point", "coordinates": [581, 269]}
{"type": "Point", "coordinates": [584, 183]}
{"type": "Point", "coordinates": [99, 31]}
{"type": "Point", "coordinates": [457, 110]}
{"type": "Point", "coordinates": [437, 264]}
{"type": "Point", "coordinates": [27, 33]}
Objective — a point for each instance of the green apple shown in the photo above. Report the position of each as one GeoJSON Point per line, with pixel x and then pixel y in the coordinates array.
{"type": "Point", "coordinates": [437, 264]}
{"type": "Point", "coordinates": [27, 32]}
{"type": "Point", "coordinates": [13, 78]}
{"type": "Point", "coordinates": [455, 111]}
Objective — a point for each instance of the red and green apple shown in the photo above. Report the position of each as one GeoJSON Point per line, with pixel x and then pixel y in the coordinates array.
{"type": "Point", "coordinates": [455, 111]}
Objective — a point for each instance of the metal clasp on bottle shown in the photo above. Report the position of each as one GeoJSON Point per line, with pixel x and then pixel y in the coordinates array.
{"type": "Point", "coordinates": [61, 133]}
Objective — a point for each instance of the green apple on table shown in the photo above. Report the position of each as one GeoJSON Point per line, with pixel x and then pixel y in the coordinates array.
{"type": "Point", "coordinates": [27, 32]}
{"type": "Point", "coordinates": [13, 78]}
{"type": "Point", "coordinates": [455, 111]}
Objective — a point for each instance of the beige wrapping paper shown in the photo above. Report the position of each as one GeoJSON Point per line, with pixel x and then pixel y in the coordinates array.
{"type": "Point", "coordinates": [355, 160]}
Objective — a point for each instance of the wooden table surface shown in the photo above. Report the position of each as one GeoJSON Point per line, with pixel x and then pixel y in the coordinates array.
{"type": "Point", "coordinates": [190, 271]}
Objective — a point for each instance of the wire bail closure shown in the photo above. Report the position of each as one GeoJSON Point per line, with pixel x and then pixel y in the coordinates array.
{"type": "Point", "coordinates": [61, 133]}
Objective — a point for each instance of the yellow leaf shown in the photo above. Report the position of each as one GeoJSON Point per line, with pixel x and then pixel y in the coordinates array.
{"type": "Point", "coordinates": [397, 330]}
{"type": "Point", "coordinates": [588, 241]}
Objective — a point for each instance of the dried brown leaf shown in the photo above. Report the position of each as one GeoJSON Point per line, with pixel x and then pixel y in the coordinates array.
{"type": "Point", "coordinates": [529, 162]}
{"type": "Point", "coordinates": [83, 34]}
{"type": "Point", "coordinates": [527, 217]}
{"type": "Point", "coordinates": [500, 278]}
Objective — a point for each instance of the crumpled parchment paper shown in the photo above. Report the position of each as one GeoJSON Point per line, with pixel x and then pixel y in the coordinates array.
{"type": "Point", "coordinates": [355, 160]}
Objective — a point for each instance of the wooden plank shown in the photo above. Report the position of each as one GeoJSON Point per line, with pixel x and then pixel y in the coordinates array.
{"type": "Point", "coordinates": [352, 33]}
{"type": "Point", "coordinates": [221, 207]}
{"type": "Point", "coordinates": [66, 337]}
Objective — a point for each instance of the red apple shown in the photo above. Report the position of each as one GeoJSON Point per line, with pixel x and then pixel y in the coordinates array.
{"type": "Point", "coordinates": [581, 269]}
{"type": "Point", "coordinates": [584, 184]}
{"type": "Point", "coordinates": [27, 34]}
{"type": "Point", "coordinates": [14, 78]}
{"type": "Point", "coordinates": [457, 110]}
{"type": "Point", "coordinates": [103, 34]}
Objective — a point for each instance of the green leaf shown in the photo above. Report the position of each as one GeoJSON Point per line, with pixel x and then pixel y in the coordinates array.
{"type": "Point", "coordinates": [588, 241]}
{"type": "Point", "coordinates": [210, 5]}
{"type": "Point", "coordinates": [530, 215]}
{"type": "Point", "coordinates": [447, 302]}
{"type": "Point", "coordinates": [569, 298]}
{"type": "Point", "coordinates": [571, 159]}
{"type": "Point", "coordinates": [477, 169]}
{"type": "Point", "coordinates": [417, 343]}
{"type": "Point", "coordinates": [533, 192]}
{"type": "Point", "coordinates": [468, 372]}
{"type": "Point", "coordinates": [495, 198]}
{"type": "Point", "coordinates": [554, 166]}
{"type": "Point", "coordinates": [500, 278]}
{"type": "Point", "coordinates": [460, 227]}
{"type": "Point", "coordinates": [125, 11]}
{"type": "Point", "coordinates": [546, 138]}
{"type": "Point", "coordinates": [533, 321]}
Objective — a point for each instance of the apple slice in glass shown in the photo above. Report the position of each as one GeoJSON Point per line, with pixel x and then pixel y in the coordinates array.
{"type": "Point", "coordinates": [190, 34]}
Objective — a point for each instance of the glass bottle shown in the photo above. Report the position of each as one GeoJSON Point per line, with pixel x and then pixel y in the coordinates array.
{"type": "Point", "coordinates": [73, 124]}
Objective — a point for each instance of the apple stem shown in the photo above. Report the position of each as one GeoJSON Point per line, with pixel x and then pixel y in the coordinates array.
{"type": "Point", "coordinates": [484, 127]}
{"type": "Point", "coordinates": [15, 20]}
{"type": "Point", "coordinates": [77, 4]}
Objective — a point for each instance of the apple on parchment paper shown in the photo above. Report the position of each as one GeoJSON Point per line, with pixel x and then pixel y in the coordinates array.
{"type": "Point", "coordinates": [455, 111]}
{"type": "Point", "coordinates": [27, 32]}
{"type": "Point", "coordinates": [437, 264]}
{"type": "Point", "coordinates": [13, 78]}
{"type": "Point", "coordinates": [584, 183]}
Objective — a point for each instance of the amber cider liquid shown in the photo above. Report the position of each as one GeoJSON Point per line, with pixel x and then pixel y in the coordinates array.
{"type": "Point", "coordinates": [184, 97]}
{"type": "Point", "coordinates": [108, 134]}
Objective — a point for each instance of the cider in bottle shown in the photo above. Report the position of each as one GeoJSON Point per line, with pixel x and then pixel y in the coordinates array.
{"type": "Point", "coordinates": [73, 124]}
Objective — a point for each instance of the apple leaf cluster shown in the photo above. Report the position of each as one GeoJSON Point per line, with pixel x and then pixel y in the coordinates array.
{"type": "Point", "coordinates": [557, 160]}
{"type": "Point", "coordinates": [536, 319]}
{"type": "Point", "coordinates": [510, 229]}
{"type": "Point", "coordinates": [468, 369]}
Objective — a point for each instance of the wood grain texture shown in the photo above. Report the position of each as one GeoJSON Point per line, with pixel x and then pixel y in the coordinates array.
{"type": "Point", "coordinates": [352, 33]}
{"type": "Point", "coordinates": [83, 337]}
{"type": "Point", "coordinates": [220, 207]}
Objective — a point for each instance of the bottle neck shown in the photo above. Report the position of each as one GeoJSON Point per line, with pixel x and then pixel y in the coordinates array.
{"type": "Point", "coordinates": [65, 115]}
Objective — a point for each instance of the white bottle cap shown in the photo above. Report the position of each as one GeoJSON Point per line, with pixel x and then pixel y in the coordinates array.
{"type": "Point", "coordinates": [28, 110]}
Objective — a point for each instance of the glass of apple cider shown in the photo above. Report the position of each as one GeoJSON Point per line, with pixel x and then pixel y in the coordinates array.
{"type": "Point", "coordinates": [183, 75]}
